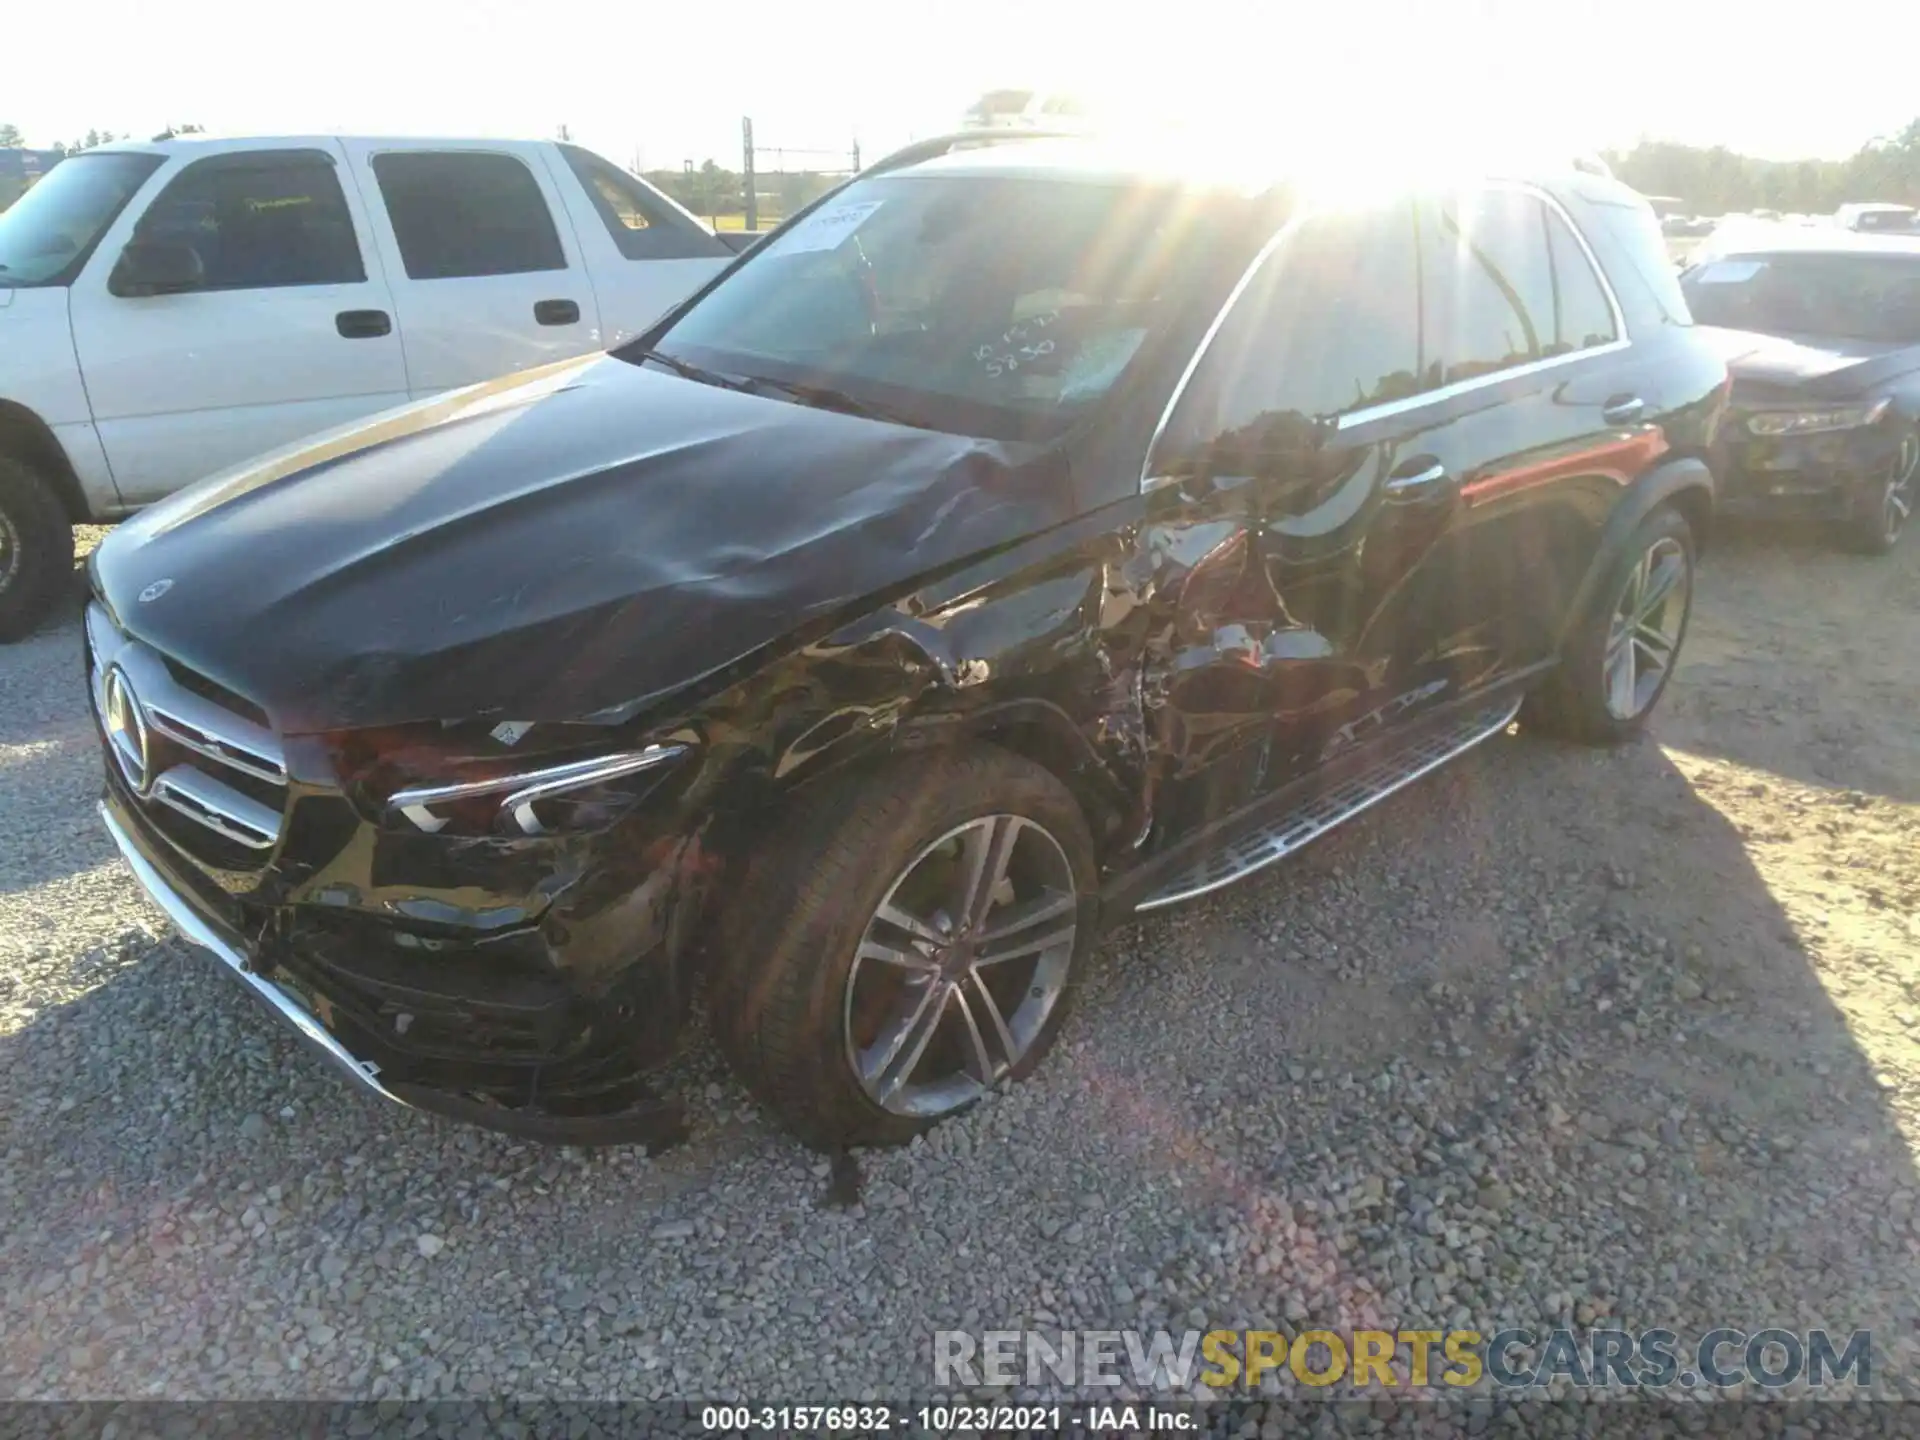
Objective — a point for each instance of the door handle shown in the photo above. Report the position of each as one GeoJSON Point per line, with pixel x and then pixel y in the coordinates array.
{"type": "Point", "coordinates": [556, 312]}
{"type": "Point", "coordinates": [363, 324]}
{"type": "Point", "coordinates": [1622, 408]}
{"type": "Point", "coordinates": [1419, 476]}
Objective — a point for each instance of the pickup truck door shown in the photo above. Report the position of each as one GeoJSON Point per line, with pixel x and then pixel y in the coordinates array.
{"type": "Point", "coordinates": [487, 272]}
{"type": "Point", "coordinates": [644, 253]}
{"type": "Point", "coordinates": [289, 330]}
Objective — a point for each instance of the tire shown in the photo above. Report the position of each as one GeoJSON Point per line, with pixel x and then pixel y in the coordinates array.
{"type": "Point", "coordinates": [1584, 700]}
{"type": "Point", "coordinates": [804, 1004]}
{"type": "Point", "coordinates": [36, 549]}
{"type": "Point", "coordinates": [1881, 512]}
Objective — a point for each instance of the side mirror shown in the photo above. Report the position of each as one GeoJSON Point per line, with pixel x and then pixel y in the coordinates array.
{"type": "Point", "coordinates": [156, 267]}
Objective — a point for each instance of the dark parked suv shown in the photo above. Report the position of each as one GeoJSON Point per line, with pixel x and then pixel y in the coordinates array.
{"type": "Point", "coordinates": [1022, 538]}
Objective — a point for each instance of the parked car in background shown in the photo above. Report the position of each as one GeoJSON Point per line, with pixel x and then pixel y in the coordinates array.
{"type": "Point", "coordinates": [1022, 537]}
{"type": "Point", "coordinates": [169, 309]}
{"type": "Point", "coordinates": [1821, 331]}
{"type": "Point", "coordinates": [1879, 218]}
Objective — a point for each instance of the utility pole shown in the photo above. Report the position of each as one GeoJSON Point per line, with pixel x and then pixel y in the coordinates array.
{"type": "Point", "coordinates": [747, 180]}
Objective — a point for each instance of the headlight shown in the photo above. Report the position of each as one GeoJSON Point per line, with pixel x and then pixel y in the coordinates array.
{"type": "Point", "coordinates": [1812, 422]}
{"type": "Point", "coordinates": [435, 780]}
{"type": "Point", "coordinates": [580, 795]}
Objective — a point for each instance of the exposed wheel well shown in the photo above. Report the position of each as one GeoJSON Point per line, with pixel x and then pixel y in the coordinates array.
{"type": "Point", "coordinates": [1695, 504]}
{"type": "Point", "coordinates": [25, 436]}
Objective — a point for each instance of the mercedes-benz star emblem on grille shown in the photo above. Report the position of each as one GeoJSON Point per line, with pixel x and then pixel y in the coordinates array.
{"type": "Point", "coordinates": [127, 729]}
{"type": "Point", "coordinates": [154, 591]}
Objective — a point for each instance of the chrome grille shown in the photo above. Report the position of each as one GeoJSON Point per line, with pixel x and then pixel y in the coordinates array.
{"type": "Point", "coordinates": [177, 748]}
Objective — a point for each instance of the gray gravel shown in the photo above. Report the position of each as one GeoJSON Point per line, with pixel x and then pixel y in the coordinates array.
{"type": "Point", "coordinates": [1558, 1037]}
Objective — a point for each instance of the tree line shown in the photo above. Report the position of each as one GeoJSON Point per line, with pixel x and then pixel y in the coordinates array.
{"type": "Point", "coordinates": [1716, 181]}
{"type": "Point", "coordinates": [1708, 180]}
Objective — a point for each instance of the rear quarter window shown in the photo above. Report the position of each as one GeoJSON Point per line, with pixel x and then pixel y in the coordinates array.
{"type": "Point", "coordinates": [1633, 251]}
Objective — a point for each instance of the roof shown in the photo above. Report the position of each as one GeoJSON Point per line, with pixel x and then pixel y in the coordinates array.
{"type": "Point", "coordinates": [1109, 160]}
{"type": "Point", "coordinates": [184, 144]}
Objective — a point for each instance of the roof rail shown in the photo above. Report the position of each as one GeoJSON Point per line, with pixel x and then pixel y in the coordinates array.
{"type": "Point", "coordinates": [936, 146]}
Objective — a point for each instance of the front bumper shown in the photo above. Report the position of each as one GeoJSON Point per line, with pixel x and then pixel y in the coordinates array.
{"type": "Point", "coordinates": [200, 930]}
{"type": "Point", "coordinates": [1816, 477]}
{"type": "Point", "coordinates": [628, 1111]}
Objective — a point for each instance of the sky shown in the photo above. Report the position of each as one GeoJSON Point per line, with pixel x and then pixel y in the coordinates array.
{"type": "Point", "coordinates": [662, 84]}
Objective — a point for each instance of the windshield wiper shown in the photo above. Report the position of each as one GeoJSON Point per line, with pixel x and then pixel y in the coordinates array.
{"type": "Point", "coordinates": [688, 370]}
{"type": "Point", "coordinates": [826, 397]}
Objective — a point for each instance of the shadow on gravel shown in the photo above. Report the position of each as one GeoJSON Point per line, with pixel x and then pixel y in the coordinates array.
{"type": "Point", "coordinates": [1549, 996]}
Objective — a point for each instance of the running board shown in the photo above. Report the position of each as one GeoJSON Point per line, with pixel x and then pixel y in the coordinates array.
{"type": "Point", "coordinates": [1280, 837]}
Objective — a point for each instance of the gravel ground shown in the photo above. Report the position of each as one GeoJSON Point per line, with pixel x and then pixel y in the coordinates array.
{"type": "Point", "coordinates": [1558, 1036]}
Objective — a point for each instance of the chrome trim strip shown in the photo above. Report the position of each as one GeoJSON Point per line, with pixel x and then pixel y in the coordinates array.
{"type": "Point", "coordinates": [198, 932]}
{"type": "Point", "coordinates": [1150, 483]}
{"type": "Point", "coordinates": [529, 785]}
{"type": "Point", "coordinates": [243, 744]}
{"type": "Point", "coordinates": [204, 741]}
{"type": "Point", "coordinates": [220, 808]}
{"type": "Point", "coordinates": [1466, 387]}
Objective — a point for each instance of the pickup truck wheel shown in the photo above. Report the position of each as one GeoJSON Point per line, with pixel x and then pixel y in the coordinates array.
{"type": "Point", "coordinates": [1881, 513]}
{"type": "Point", "coordinates": [36, 549]}
{"type": "Point", "coordinates": [913, 941]}
{"type": "Point", "coordinates": [1618, 661]}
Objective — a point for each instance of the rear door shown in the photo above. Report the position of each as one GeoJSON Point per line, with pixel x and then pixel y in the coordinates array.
{"type": "Point", "coordinates": [1547, 412]}
{"type": "Point", "coordinates": [487, 274]}
{"type": "Point", "coordinates": [289, 332]}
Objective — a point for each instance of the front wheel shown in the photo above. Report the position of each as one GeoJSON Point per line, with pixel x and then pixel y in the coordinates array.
{"type": "Point", "coordinates": [1880, 515]}
{"type": "Point", "coordinates": [915, 940]}
{"type": "Point", "coordinates": [1617, 662]}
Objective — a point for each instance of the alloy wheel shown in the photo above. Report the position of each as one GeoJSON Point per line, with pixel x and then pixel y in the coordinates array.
{"type": "Point", "coordinates": [1644, 637]}
{"type": "Point", "coordinates": [961, 966]}
{"type": "Point", "coordinates": [1899, 497]}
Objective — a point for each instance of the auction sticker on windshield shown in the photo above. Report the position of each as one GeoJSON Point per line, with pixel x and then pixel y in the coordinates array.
{"type": "Point", "coordinates": [827, 227]}
{"type": "Point", "coordinates": [1728, 272]}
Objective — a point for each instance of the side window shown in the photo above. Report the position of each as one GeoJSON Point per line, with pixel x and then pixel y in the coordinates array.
{"type": "Point", "coordinates": [1490, 283]}
{"type": "Point", "coordinates": [466, 212]}
{"type": "Point", "coordinates": [642, 226]}
{"type": "Point", "coordinates": [260, 220]}
{"type": "Point", "coordinates": [1582, 317]}
{"type": "Point", "coordinates": [1330, 324]}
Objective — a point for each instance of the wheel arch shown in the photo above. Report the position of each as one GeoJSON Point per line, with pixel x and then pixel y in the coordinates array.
{"type": "Point", "coordinates": [30, 440]}
{"type": "Point", "coordinates": [1685, 483]}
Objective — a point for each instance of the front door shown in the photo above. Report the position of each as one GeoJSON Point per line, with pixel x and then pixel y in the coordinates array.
{"type": "Point", "coordinates": [1317, 487]}
{"type": "Point", "coordinates": [289, 331]}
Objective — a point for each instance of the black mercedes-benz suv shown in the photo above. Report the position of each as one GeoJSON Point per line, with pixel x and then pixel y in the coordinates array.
{"type": "Point", "coordinates": [1023, 537]}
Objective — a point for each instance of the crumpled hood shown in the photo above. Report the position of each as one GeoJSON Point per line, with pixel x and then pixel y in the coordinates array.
{"type": "Point", "coordinates": [1821, 366]}
{"type": "Point", "coordinates": [572, 542]}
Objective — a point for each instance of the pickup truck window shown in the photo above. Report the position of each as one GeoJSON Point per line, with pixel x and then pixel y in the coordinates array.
{"type": "Point", "coordinates": [48, 233]}
{"type": "Point", "coordinates": [260, 220]}
{"type": "Point", "coordinates": [642, 225]}
{"type": "Point", "coordinates": [467, 212]}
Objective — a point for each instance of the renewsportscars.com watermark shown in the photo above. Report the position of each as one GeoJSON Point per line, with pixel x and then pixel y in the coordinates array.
{"type": "Point", "coordinates": [1225, 1360]}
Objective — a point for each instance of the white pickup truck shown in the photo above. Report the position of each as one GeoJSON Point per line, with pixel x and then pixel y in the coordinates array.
{"type": "Point", "coordinates": [170, 309]}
